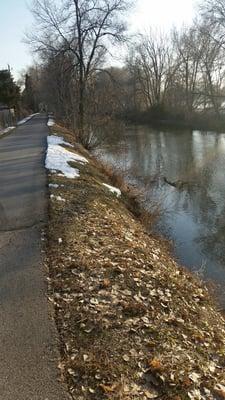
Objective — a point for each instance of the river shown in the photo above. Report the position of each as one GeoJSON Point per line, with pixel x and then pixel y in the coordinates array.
{"type": "Point", "coordinates": [191, 215]}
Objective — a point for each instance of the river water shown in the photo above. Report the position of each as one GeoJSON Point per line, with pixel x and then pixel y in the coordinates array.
{"type": "Point", "coordinates": [193, 213]}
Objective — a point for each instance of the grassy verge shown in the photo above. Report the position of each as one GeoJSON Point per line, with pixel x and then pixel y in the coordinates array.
{"type": "Point", "coordinates": [132, 323]}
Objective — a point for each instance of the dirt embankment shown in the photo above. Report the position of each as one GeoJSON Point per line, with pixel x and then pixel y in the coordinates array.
{"type": "Point", "coordinates": [132, 323]}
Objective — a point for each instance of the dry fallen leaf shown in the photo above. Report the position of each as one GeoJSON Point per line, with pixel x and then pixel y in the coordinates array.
{"type": "Point", "coordinates": [106, 283]}
{"type": "Point", "coordinates": [155, 364]}
{"type": "Point", "coordinates": [108, 389]}
{"type": "Point", "coordinates": [220, 390]}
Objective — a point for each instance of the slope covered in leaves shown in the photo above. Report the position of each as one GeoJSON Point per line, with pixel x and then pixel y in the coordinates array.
{"type": "Point", "coordinates": [132, 323]}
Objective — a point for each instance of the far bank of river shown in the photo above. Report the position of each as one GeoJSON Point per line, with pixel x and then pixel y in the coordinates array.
{"type": "Point", "coordinates": [192, 216]}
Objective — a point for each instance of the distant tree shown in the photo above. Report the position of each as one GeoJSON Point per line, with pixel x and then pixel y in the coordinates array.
{"type": "Point", "coordinates": [213, 14]}
{"type": "Point", "coordinates": [213, 33]}
{"type": "Point", "coordinates": [59, 87]}
{"type": "Point", "coordinates": [81, 28]}
{"type": "Point", "coordinates": [212, 66]}
{"type": "Point", "coordinates": [189, 50]}
{"type": "Point", "coordinates": [9, 91]}
{"type": "Point", "coordinates": [29, 97]}
{"type": "Point", "coordinates": [152, 64]}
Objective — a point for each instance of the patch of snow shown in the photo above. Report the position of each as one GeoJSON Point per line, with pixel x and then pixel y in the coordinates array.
{"type": "Point", "coordinates": [54, 139]}
{"type": "Point", "coordinates": [24, 120]}
{"type": "Point", "coordinates": [113, 189]}
{"type": "Point", "coordinates": [58, 198]}
{"type": "Point", "coordinates": [57, 158]}
{"type": "Point", "coordinates": [53, 185]}
{"type": "Point", "coordinates": [6, 130]}
{"type": "Point", "coordinates": [51, 121]}
{"type": "Point", "coordinates": [60, 240]}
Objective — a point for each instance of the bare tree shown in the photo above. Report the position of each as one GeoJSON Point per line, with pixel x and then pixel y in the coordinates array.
{"type": "Point", "coordinates": [213, 15]}
{"type": "Point", "coordinates": [81, 28]}
{"type": "Point", "coordinates": [189, 50]}
{"type": "Point", "coordinates": [213, 33]}
{"type": "Point", "coordinates": [212, 66]}
{"type": "Point", "coordinates": [152, 62]}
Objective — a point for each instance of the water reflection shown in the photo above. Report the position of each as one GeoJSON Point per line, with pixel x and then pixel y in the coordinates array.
{"type": "Point", "coordinates": [194, 216]}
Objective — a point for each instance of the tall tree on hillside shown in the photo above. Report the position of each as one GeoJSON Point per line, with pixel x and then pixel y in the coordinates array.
{"type": "Point", "coordinates": [82, 28]}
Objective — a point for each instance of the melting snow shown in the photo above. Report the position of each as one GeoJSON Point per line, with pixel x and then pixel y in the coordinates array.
{"type": "Point", "coordinates": [10, 128]}
{"type": "Point", "coordinates": [26, 119]}
{"type": "Point", "coordinates": [113, 189]}
{"type": "Point", "coordinates": [58, 198]}
{"type": "Point", "coordinates": [51, 121]}
{"type": "Point", "coordinates": [57, 157]}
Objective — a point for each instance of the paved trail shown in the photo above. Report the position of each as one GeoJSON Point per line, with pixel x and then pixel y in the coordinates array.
{"type": "Point", "coordinates": [27, 335]}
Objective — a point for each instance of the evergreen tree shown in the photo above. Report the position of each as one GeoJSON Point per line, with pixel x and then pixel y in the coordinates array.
{"type": "Point", "coordinates": [9, 91]}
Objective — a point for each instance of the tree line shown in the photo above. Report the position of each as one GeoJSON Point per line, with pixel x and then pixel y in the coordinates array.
{"type": "Point", "coordinates": [175, 76]}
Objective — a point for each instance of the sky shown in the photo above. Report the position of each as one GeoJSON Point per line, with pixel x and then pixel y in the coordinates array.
{"type": "Point", "coordinates": [16, 19]}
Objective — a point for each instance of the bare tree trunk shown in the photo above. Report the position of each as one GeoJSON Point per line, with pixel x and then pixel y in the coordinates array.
{"type": "Point", "coordinates": [81, 108]}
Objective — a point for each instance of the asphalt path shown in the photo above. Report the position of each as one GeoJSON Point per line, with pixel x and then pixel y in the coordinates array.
{"type": "Point", "coordinates": [28, 340]}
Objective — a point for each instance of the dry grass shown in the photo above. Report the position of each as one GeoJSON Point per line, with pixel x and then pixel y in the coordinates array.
{"type": "Point", "coordinates": [133, 197]}
{"type": "Point", "coordinates": [133, 324]}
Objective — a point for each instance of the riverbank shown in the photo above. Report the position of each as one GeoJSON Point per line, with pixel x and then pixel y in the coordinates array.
{"type": "Point", "coordinates": [132, 323]}
{"type": "Point", "coordinates": [198, 121]}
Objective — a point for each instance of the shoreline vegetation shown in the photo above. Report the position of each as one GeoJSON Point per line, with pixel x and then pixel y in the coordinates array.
{"type": "Point", "coordinates": [166, 120]}
{"type": "Point", "coordinates": [132, 323]}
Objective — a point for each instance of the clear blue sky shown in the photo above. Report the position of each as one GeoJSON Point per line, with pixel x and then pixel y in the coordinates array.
{"type": "Point", "coordinates": [15, 18]}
